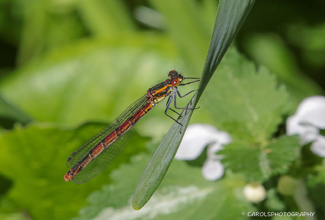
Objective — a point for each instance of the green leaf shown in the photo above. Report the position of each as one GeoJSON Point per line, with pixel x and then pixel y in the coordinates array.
{"type": "Point", "coordinates": [33, 158]}
{"type": "Point", "coordinates": [231, 15]}
{"type": "Point", "coordinates": [259, 163]}
{"type": "Point", "coordinates": [229, 19]}
{"type": "Point", "coordinates": [270, 51]}
{"type": "Point", "coordinates": [245, 102]}
{"type": "Point", "coordinates": [184, 194]}
{"type": "Point", "coordinates": [160, 162]}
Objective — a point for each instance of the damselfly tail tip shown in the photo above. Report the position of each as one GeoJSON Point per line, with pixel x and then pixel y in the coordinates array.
{"type": "Point", "coordinates": [68, 176]}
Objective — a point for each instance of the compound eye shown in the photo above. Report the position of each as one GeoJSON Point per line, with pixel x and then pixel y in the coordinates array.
{"type": "Point", "coordinates": [175, 82]}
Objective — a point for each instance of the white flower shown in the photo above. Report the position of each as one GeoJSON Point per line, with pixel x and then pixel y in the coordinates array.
{"type": "Point", "coordinates": [196, 138]}
{"type": "Point", "coordinates": [307, 121]}
{"type": "Point", "coordinates": [254, 192]}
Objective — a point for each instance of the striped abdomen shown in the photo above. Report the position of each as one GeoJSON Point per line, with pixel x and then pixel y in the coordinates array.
{"type": "Point", "coordinates": [106, 142]}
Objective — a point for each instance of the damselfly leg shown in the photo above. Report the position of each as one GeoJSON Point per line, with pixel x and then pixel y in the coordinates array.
{"type": "Point", "coordinates": [173, 96]}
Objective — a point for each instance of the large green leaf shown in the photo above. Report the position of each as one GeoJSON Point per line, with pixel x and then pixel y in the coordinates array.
{"type": "Point", "coordinates": [184, 194]}
{"type": "Point", "coordinates": [259, 163]}
{"type": "Point", "coordinates": [245, 101]}
{"type": "Point", "coordinates": [160, 161]}
{"type": "Point", "coordinates": [33, 158]}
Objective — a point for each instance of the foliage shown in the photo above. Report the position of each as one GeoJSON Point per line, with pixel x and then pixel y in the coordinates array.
{"type": "Point", "coordinates": [69, 67]}
{"type": "Point", "coordinates": [185, 196]}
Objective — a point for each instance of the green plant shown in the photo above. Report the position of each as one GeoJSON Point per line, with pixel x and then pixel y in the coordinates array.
{"type": "Point", "coordinates": [80, 63]}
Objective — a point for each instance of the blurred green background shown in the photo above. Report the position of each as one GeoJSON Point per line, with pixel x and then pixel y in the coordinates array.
{"type": "Point", "coordinates": [68, 67]}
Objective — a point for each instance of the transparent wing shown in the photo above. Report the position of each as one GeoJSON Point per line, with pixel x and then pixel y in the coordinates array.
{"type": "Point", "coordinates": [110, 152]}
{"type": "Point", "coordinates": [102, 161]}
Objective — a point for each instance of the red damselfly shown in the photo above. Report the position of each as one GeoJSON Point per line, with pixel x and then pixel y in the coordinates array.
{"type": "Point", "coordinates": [101, 150]}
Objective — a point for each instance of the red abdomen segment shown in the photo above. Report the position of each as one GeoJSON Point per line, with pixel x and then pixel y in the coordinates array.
{"type": "Point", "coordinates": [107, 141]}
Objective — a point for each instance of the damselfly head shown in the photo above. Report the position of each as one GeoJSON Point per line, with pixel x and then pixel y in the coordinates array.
{"type": "Point", "coordinates": [173, 74]}
{"type": "Point", "coordinates": [175, 78]}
